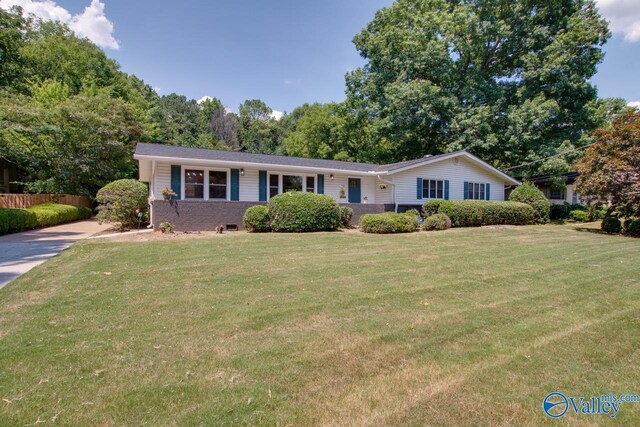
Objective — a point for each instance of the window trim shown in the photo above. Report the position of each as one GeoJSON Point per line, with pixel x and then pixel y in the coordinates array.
{"type": "Point", "coordinates": [206, 171]}
{"type": "Point", "coordinates": [470, 191]}
{"type": "Point", "coordinates": [280, 174]}
{"type": "Point", "coordinates": [562, 195]}
{"type": "Point", "coordinates": [443, 188]}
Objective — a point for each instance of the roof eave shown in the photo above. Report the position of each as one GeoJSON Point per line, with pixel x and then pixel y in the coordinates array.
{"type": "Point", "coordinates": [482, 163]}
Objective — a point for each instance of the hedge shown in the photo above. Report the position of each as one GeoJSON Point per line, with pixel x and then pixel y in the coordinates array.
{"type": "Point", "coordinates": [531, 195]}
{"type": "Point", "coordinates": [474, 213]}
{"type": "Point", "coordinates": [578, 215]}
{"type": "Point", "coordinates": [295, 211]}
{"type": "Point", "coordinates": [389, 222]}
{"type": "Point", "coordinates": [38, 216]}
{"type": "Point", "coordinates": [256, 219]}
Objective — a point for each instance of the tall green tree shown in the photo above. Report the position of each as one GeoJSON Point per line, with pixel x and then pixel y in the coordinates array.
{"type": "Point", "coordinates": [506, 79]}
{"type": "Point", "coordinates": [68, 144]}
{"type": "Point", "coordinates": [258, 132]}
{"type": "Point", "coordinates": [319, 134]}
{"type": "Point", "coordinates": [12, 38]}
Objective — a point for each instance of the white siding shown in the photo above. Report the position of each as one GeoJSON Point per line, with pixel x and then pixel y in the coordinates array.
{"type": "Point", "coordinates": [163, 178]}
{"type": "Point", "coordinates": [384, 196]}
{"type": "Point", "coordinates": [457, 172]}
{"type": "Point", "coordinates": [250, 185]}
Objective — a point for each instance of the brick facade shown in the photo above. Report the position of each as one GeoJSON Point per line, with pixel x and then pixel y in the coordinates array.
{"type": "Point", "coordinates": [200, 215]}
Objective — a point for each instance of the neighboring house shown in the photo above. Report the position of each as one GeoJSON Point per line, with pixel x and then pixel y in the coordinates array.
{"type": "Point", "coordinates": [559, 196]}
{"type": "Point", "coordinates": [9, 174]}
{"type": "Point", "coordinates": [216, 187]}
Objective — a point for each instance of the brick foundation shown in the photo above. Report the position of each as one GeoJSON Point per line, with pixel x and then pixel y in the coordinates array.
{"type": "Point", "coordinates": [201, 215]}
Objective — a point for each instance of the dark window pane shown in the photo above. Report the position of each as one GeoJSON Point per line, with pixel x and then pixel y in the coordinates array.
{"type": "Point", "coordinates": [291, 183]}
{"type": "Point", "coordinates": [310, 184]}
{"type": "Point", "coordinates": [273, 180]}
{"type": "Point", "coordinates": [425, 188]}
{"type": "Point", "coordinates": [440, 190]}
{"type": "Point", "coordinates": [217, 177]}
{"type": "Point", "coordinates": [481, 197]}
{"type": "Point", "coordinates": [218, 192]}
{"type": "Point", "coordinates": [193, 184]}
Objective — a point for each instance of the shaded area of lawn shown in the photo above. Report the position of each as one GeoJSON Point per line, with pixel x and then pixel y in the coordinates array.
{"type": "Point", "coordinates": [332, 328]}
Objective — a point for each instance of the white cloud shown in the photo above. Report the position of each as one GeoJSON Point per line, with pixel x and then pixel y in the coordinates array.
{"type": "Point", "coordinates": [92, 23]}
{"type": "Point", "coordinates": [275, 114]}
{"type": "Point", "coordinates": [623, 17]}
{"type": "Point", "coordinates": [635, 104]}
{"type": "Point", "coordinates": [204, 98]}
{"type": "Point", "coordinates": [158, 89]}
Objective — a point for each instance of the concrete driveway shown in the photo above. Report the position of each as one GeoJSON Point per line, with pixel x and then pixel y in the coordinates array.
{"type": "Point", "coordinates": [20, 252]}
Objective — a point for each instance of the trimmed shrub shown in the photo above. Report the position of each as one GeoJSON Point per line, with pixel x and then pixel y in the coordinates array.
{"type": "Point", "coordinates": [611, 224]}
{"type": "Point", "coordinates": [560, 211]}
{"type": "Point", "coordinates": [295, 211]}
{"type": "Point", "coordinates": [346, 213]}
{"type": "Point", "coordinates": [388, 222]}
{"type": "Point", "coordinates": [433, 207]}
{"type": "Point", "coordinates": [632, 227]}
{"type": "Point", "coordinates": [119, 201]}
{"type": "Point", "coordinates": [15, 220]}
{"type": "Point", "coordinates": [437, 221]}
{"type": "Point", "coordinates": [580, 216]}
{"type": "Point", "coordinates": [474, 213]}
{"type": "Point", "coordinates": [256, 219]}
{"type": "Point", "coordinates": [48, 214]}
{"type": "Point", "coordinates": [531, 195]}
{"type": "Point", "coordinates": [38, 216]}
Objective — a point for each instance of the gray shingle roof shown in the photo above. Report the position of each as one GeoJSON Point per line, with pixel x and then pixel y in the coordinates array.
{"type": "Point", "coordinates": [174, 151]}
{"type": "Point", "coordinates": [178, 152]}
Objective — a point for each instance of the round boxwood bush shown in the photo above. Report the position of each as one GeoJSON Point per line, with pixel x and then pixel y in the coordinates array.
{"type": "Point", "coordinates": [611, 224]}
{"type": "Point", "coordinates": [388, 222]}
{"type": "Point", "coordinates": [295, 211]}
{"type": "Point", "coordinates": [119, 200]}
{"type": "Point", "coordinates": [531, 195]}
{"type": "Point", "coordinates": [632, 227]}
{"type": "Point", "coordinates": [579, 216]}
{"type": "Point", "coordinates": [346, 213]}
{"type": "Point", "coordinates": [437, 221]}
{"type": "Point", "coordinates": [256, 219]}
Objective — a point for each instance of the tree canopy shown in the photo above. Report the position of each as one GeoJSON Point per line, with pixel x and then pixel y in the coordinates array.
{"type": "Point", "coordinates": [508, 80]}
{"type": "Point", "coordinates": [610, 169]}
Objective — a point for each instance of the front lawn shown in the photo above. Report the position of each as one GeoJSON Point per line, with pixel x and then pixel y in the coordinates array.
{"type": "Point", "coordinates": [459, 327]}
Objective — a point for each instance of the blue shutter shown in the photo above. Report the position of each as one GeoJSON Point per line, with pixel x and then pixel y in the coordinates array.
{"type": "Point", "coordinates": [466, 190]}
{"type": "Point", "coordinates": [235, 184]}
{"type": "Point", "coordinates": [418, 188]}
{"type": "Point", "coordinates": [487, 192]}
{"type": "Point", "coordinates": [446, 189]}
{"type": "Point", "coordinates": [176, 181]}
{"type": "Point", "coordinates": [263, 186]}
{"type": "Point", "coordinates": [320, 184]}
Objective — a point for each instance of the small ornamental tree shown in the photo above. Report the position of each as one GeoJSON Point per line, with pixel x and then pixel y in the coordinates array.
{"type": "Point", "coordinates": [610, 169]}
{"type": "Point", "coordinates": [122, 202]}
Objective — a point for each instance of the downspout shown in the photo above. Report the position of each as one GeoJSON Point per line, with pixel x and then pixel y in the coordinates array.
{"type": "Point", "coordinates": [152, 194]}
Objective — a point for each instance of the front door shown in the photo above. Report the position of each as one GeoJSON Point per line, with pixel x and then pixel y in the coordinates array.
{"type": "Point", "coordinates": [354, 190]}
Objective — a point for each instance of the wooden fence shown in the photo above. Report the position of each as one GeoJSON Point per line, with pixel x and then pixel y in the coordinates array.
{"type": "Point", "coordinates": [26, 200]}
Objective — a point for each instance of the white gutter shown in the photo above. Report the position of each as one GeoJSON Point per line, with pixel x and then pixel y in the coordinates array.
{"type": "Point", "coordinates": [267, 166]}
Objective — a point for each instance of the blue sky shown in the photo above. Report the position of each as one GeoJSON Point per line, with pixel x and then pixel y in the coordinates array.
{"type": "Point", "coordinates": [285, 53]}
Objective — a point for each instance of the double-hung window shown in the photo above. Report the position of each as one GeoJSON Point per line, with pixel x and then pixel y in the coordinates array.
{"type": "Point", "coordinates": [476, 191]}
{"type": "Point", "coordinates": [217, 184]}
{"type": "Point", "coordinates": [310, 184]}
{"type": "Point", "coordinates": [555, 194]}
{"type": "Point", "coordinates": [193, 184]}
{"type": "Point", "coordinates": [432, 189]}
{"type": "Point", "coordinates": [274, 185]}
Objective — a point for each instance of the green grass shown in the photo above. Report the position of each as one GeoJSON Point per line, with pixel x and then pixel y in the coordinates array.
{"type": "Point", "coordinates": [462, 327]}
